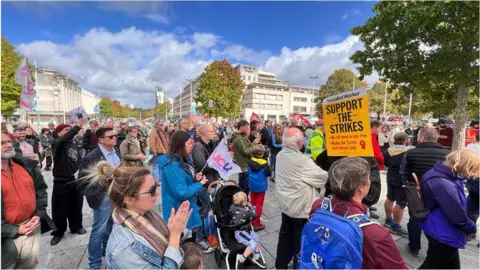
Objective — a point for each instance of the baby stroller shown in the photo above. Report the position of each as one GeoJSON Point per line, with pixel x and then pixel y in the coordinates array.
{"type": "Point", "coordinates": [228, 247]}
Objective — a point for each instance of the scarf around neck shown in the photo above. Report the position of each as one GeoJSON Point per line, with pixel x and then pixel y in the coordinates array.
{"type": "Point", "coordinates": [150, 226]}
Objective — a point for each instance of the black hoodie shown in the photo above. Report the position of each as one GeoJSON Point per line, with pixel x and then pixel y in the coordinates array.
{"type": "Point", "coordinates": [65, 156]}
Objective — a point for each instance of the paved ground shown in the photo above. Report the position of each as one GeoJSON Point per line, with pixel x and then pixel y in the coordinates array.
{"type": "Point", "coordinates": [72, 253]}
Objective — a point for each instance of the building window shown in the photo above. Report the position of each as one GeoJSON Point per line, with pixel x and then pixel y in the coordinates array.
{"type": "Point", "coordinates": [248, 78]}
{"type": "Point", "coordinates": [300, 99]}
{"type": "Point", "coordinates": [271, 97]}
{"type": "Point", "coordinates": [259, 96]}
{"type": "Point", "coordinates": [299, 109]}
{"type": "Point", "coordinates": [280, 97]}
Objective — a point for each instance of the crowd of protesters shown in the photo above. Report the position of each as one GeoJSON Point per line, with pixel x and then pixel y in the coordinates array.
{"type": "Point", "coordinates": [119, 167]}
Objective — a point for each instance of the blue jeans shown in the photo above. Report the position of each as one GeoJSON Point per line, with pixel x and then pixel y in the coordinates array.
{"type": "Point", "coordinates": [414, 234]}
{"type": "Point", "coordinates": [273, 161]}
{"type": "Point", "coordinates": [155, 169]}
{"type": "Point", "coordinates": [101, 228]}
{"type": "Point", "coordinates": [205, 206]}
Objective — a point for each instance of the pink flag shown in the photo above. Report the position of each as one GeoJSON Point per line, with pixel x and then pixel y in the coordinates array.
{"type": "Point", "coordinates": [23, 78]}
{"type": "Point", "coordinates": [254, 117]}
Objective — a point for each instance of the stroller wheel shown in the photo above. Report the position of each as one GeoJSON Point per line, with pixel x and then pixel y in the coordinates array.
{"type": "Point", "coordinates": [218, 257]}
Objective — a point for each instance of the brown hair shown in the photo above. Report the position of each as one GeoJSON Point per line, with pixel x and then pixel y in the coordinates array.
{"type": "Point", "coordinates": [464, 162]}
{"type": "Point", "coordinates": [130, 128]}
{"type": "Point", "coordinates": [193, 258]}
{"type": "Point", "coordinates": [258, 150]}
{"type": "Point", "coordinates": [120, 182]}
{"type": "Point", "coordinates": [278, 132]}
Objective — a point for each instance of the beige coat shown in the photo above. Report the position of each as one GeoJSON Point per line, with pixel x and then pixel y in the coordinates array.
{"type": "Point", "coordinates": [298, 181]}
{"type": "Point", "coordinates": [129, 149]}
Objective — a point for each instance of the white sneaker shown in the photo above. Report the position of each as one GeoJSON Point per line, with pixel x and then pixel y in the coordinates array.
{"type": "Point", "coordinates": [205, 247]}
{"type": "Point", "coordinates": [238, 262]}
{"type": "Point", "coordinates": [258, 260]}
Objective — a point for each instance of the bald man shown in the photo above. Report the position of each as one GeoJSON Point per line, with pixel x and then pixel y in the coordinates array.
{"type": "Point", "coordinates": [317, 143]}
{"type": "Point", "coordinates": [203, 148]}
{"type": "Point", "coordinates": [299, 182]}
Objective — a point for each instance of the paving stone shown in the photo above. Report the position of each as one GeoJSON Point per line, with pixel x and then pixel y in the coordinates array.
{"type": "Point", "coordinates": [415, 262]}
{"type": "Point", "coordinates": [269, 242]}
{"type": "Point", "coordinates": [70, 241]}
{"type": "Point", "coordinates": [64, 259]}
{"type": "Point", "coordinates": [273, 224]}
{"type": "Point", "coordinates": [84, 262]}
{"type": "Point", "coordinates": [469, 259]}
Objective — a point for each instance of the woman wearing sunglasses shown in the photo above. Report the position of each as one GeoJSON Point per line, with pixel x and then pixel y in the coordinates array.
{"type": "Point", "coordinates": [179, 183]}
{"type": "Point", "coordinates": [139, 238]}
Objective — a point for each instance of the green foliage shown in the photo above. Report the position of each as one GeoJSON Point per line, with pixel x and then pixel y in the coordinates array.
{"type": "Point", "coordinates": [341, 80]}
{"type": "Point", "coordinates": [160, 109]}
{"type": "Point", "coordinates": [222, 85]}
{"type": "Point", "coordinates": [10, 90]}
{"type": "Point", "coordinates": [429, 49]}
{"type": "Point", "coordinates": [106, 107]}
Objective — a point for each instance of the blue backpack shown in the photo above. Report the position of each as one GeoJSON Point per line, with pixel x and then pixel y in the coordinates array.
{"type": "Point", "coordinates": [330, 241]}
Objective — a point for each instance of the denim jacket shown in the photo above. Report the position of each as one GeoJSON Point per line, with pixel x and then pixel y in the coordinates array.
{"type": "Point", "coordinates": [126, 249]}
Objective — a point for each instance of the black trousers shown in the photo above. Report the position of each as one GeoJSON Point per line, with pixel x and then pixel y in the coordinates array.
{"type": "Point", "coordinates": [440, 256]}
{"type": "Point", "coordinates": [67, 204]}
{"type": "Point", "coordinates": [289, 240]}
{"type": "Point", "coordinates": [49, 161]}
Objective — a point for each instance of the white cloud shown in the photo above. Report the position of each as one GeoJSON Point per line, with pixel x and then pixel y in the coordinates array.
{"type": "Point", "coordinates": [296, 66]}
{"type": "Point", "coordinates": [242, 54]}
{"type": "Point", "coordinates": [127, 65]}
{"type": "Point", "coordinates": [351, 13]}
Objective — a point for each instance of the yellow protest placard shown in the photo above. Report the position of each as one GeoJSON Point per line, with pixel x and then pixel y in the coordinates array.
{"type": "Point", "coordinates": [347, 124]}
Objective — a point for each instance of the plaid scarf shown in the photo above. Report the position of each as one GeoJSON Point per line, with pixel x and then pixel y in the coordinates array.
{"type": "Point", "coordinates": [150, 226]}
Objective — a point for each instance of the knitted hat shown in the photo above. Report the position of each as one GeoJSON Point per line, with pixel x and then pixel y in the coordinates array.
{"type": "Point", "coordinates": [61, 127]}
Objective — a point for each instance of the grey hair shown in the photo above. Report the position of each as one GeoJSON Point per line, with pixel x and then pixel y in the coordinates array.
{"type": "Point", "coordinates": [430, 134]}
{"type": "Point", "coordinates": [292, 141]}
{"type": "Point", "coordinates": [346, 174]}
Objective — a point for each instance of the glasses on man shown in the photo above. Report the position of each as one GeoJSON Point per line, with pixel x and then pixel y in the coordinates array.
{"type": "Point", "coordinates": [152, 190]}
{"type": "Point", "coordinates": [110, 137]}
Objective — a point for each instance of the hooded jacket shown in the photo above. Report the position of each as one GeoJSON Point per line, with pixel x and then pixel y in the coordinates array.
{"type": "Point", "coordinates": [130, 148]}
{"type": "Point", "coordinates": [444, 195]}
{"type": "Point", "coordinates": [379, 249]}
{"type": "Point", "coordinates": [393, 157]}
{"type": "Point", "coordinates": [258, 171]}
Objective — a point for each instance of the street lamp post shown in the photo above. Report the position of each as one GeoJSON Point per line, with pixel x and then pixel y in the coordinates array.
{"type": "Point", "coordinates": [385, 102]}
{"type": "Point", "coordinates": [313, 78]}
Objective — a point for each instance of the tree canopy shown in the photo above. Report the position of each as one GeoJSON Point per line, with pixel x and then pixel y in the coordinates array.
{"type": "Point", "coordinates": [426, 48]}
{"type": "Point", "coordinates": [10, 90]}
{"type": "Point", "coordinates": [222, 85]}
{"type": "Point", "coordinates": [341, 80]}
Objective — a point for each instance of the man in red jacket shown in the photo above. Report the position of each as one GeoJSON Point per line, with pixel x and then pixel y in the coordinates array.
{"type": "Point", "coordinates": [350, 183]}
{"type": "Point", "coordinates": [376, 127]}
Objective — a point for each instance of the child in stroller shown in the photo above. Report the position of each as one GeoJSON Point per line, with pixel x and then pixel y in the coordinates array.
{"type": "Point", "coordinates": [240, 212]}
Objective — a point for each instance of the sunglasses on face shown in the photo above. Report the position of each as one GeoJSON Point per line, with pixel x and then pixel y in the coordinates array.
{"type": "Point", "coordinates": [110, 137]}
{"type": "Point", "coordinates": [152, 190]}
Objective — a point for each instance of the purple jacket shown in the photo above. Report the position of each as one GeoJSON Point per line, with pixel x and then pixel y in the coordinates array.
{"type": "Point", "coordinates": [447, 222]}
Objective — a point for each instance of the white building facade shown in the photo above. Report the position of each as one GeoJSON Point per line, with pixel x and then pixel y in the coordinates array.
{"type": "Point", "coordinates": [159, 95]}
{"type": "Point", "coordinates": [264, 95]}
{"type": "Point", "coordinates": [57, 94]}
{"type": "Point", "coordinates": [185, 102]}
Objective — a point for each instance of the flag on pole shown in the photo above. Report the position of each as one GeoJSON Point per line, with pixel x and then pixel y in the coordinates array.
{"type": "Point", "coordinates": [222, 162]}
{"type": "Point", "coordinates": [254, 117]}
{"type": "Point", "coordinates": [24, 78]}
{"type": "Point", "coordinates": [73, 113]}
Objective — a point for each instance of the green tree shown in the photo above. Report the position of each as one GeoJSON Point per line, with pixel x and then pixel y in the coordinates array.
{"type": "Point", "coordinates": [426, 48]}
{"type": "Point", "coordinates": [162, 109]}
{"type": "Point", "coordinates": [341, 80]}
{"type": "Point", "coordinates": [106, 107]}
{"type": "Point", "coordinates": [10, 90]}
{"type": "Point", "coordinates": [222, 85]}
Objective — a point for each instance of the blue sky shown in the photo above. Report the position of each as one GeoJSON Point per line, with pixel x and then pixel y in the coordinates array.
{"type": "Point", "coordinates": [116, 48]}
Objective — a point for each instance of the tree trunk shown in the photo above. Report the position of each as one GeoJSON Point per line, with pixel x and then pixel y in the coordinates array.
{"type": "Point", "coordinates": [461, 116]}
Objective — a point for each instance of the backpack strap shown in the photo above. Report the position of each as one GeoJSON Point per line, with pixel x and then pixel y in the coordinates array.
{"type": "Point", "coordinates": [326, 204]}
{"type": "Point", "coordinates": [362, 220]}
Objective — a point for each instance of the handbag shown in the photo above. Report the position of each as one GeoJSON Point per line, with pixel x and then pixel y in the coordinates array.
{"type": "Point", "coordinates": [414, 196]}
